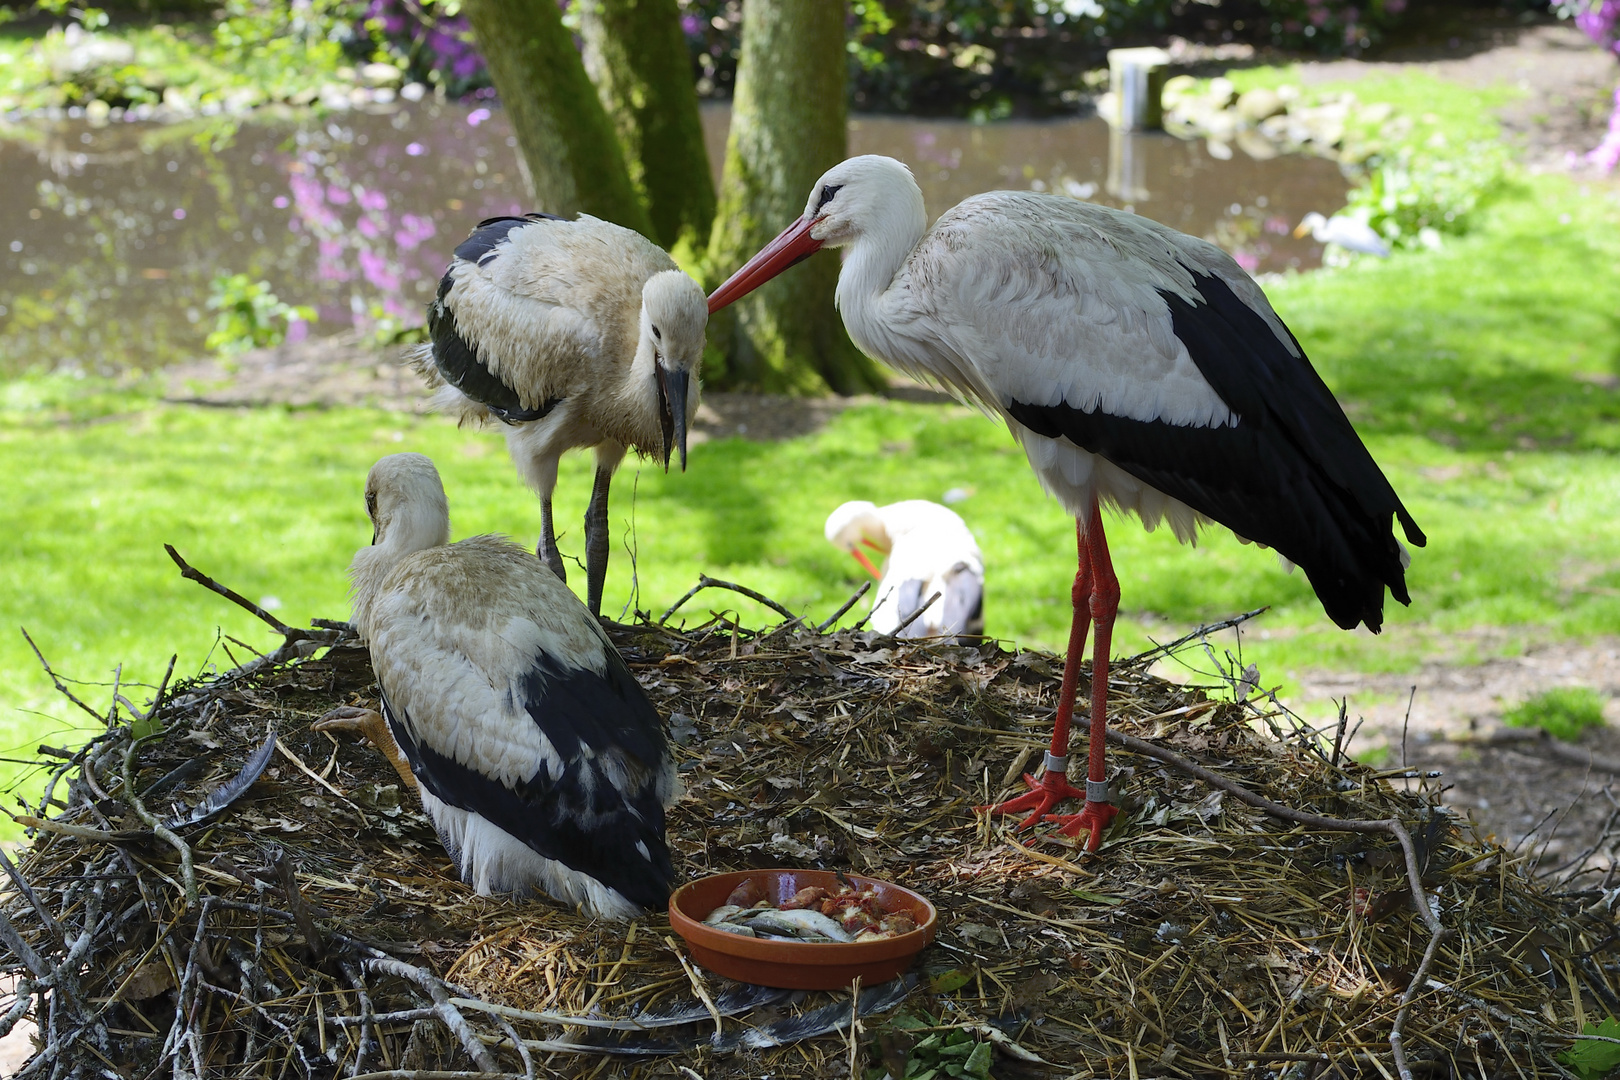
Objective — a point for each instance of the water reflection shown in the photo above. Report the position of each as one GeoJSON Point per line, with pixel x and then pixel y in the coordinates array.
{"type": "Point", "coordinates": [112, 235]}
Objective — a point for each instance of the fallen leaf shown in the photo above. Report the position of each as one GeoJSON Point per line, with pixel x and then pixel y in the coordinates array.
{"type": "Point", "coordinates": [148, 981]}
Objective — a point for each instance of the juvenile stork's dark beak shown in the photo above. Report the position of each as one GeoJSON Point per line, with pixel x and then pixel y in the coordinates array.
{"type": "Point", "coordinates": [672, 388]}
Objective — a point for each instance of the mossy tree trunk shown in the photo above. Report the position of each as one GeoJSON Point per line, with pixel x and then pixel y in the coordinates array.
{"type": "Point", "coordinates": [567, 142]}
{"type": "Point", "coordinates": [788, 126]}
{"type": "Point", "coordinates": [636, 55]}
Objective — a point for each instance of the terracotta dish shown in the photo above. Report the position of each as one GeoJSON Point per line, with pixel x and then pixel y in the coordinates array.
{"type": "Point", "coordinates": [797, 965]}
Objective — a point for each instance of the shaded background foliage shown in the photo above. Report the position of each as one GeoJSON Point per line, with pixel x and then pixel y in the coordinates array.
{"type": "Point", "coordinates": [1000, 57]}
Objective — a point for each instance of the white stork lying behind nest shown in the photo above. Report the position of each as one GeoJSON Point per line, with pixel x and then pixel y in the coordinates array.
{"type": "Point", "coordinates": [572, 334]}
{"type": "Point", "coordinates": [537, 755]}
{"type": "Point", "coordinates": [928, 550]}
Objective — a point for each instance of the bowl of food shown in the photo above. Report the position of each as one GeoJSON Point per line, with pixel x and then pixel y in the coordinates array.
{"type": "Point", "coordinates": [802, 929]}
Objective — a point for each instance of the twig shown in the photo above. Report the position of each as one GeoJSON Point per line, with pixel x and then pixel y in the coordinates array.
{"type": "Point", "coordinates": [1154, 653]}
{"type": "Point", "coordinates": [698, 988]}
{"type": "Point", "coordinates": [291, 635]}
{"type": "Point", "coordinates": [707, 582]}
{"type": "Point", "coordinates": [188, 875]}
{"type": "Point", "coordinates": [157, 699]}
{"type": "Point", "coordinates": [61, 686]}
{"type": "Point", "coordinates": [1391, 826]}
{"type": "Point", "coordinates": [866, 587]}
{"type": "Point", "coordinates": [915, 615]}
{"type": "Point", "coordinates": [287, 874]}
{"type": "Point", "coordinates": [448, 1014]}
{"type": "Point", "coordinates": [191, 573]}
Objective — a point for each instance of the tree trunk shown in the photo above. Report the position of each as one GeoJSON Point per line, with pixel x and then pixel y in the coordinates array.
{"type": "Point", "coordinates": [636, 55]}
{"type": "Point", "coordinates": [572, 154]}
{"type": "Point", "coordinates": [788, 126]}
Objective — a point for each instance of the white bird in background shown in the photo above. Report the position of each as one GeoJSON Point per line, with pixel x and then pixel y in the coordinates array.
{"type": "Point", "coordinates": [573, 334]}
{"type": "Point", "coordinates": [1139, 367]}
{"type": "Point", "coordinates": [537, 755]}
{"type": "Point", "coordinates": [928, 549]}
{"type": "Point", "coordinates": [1345, 230]}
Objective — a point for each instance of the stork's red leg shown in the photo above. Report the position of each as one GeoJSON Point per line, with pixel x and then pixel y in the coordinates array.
{"type": "Point", "coordinates": [1098, 812]}
{"type": "Point", "coordinates": [1053, 786]}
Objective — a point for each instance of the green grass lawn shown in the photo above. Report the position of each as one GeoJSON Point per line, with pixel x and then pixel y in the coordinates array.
{"type": "Point", "coordinates": [1482, 376]}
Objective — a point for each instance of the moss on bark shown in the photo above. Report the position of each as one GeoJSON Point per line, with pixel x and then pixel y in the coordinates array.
{"type": "Point", "coordinates": [568, 145]}
{"type": "Point", "coordinates": [788, 126]}
{"type": "Point", "coordinates": [636, 55]}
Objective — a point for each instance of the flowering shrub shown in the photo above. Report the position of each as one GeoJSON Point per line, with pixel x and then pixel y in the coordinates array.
{"type": "Point", "coordinates": [432, 39]}
{"type": "Point", "coordinates": [251, 316]}
{"type": "Point", "coordinates": [1600, 21]}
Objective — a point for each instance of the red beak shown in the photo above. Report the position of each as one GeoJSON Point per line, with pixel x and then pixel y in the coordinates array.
{"type": "Point", "coordinates": [860, 557]}
{"type": "Point", "coordinates": [793, 245]}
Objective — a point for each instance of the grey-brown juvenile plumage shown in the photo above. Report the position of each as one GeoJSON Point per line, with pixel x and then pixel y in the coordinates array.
{"type": "Point", "coordinates": [538, 756]}
{"type": "Point", "coordinates": [572, 334]}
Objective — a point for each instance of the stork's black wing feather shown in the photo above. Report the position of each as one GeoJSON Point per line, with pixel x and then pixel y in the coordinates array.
{"type": "Point", "coordinates": [591, 817]}
{"type": "Point", "coordinates": [456, 357]}
{"type": "Point", "coordinates": [1291, 473]}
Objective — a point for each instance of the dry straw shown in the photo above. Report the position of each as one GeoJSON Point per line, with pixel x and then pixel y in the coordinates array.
{"type": "Point", "coordinates": [315, 927]}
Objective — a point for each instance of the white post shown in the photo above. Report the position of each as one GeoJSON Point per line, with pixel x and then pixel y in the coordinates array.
{"type": "Point", "coordinates": [1136, 77]}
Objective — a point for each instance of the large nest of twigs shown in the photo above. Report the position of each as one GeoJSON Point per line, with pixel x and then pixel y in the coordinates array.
{"type": "Point", "coordinates": [326, 933]}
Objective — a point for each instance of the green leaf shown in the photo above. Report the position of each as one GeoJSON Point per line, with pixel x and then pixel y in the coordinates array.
{"type": "Point", "coordinates": [1593, 1060]}
{"type": "Point", "coordinates": [907, 1022]}
{"type": "Point", "coordinates": [949, 981]}
{"type": "Point", "coordinates": [978, 1063]}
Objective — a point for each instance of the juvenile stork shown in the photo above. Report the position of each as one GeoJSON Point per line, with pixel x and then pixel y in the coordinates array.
{"type": "Point", "coordinates": [927, 549]}
{"type": "Point", "coordinates": [536, 753]}
{"type": "Point", "coordinates": [572, 334]}
{"type": "Point", "coordinates": [1139, 368]}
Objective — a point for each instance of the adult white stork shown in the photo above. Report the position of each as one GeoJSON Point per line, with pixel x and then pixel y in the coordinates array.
{"type": "Point", "coordinates": [536, 753]}
{"type": "Point", "coordinates": [572, 334]}
{"type": "Point", "coordinates": [927, 549]}
{"type": "Point", "coordinates": [1139, 368]}
{"type": "Point", "coordinates": [1347, 231]}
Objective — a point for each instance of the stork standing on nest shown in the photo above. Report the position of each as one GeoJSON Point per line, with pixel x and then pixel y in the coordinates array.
{"type": "Point", "coordinates": [927, 550]}
{"type": "Point", "coordinates": [1139, 367]}
{"type": "Point", "coordinates": [536, 753]}
{"type": "Point", "coordinates": [572, 334]}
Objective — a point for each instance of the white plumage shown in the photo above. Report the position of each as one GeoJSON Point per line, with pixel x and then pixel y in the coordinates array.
{"type": "Point", "coordinates": [1347, 231]}
{"type": "Point", "coordinates": [1139, 368]}
{"type": "Point", "coordinates": [927, 549]}
{"type": "Point", "coordinates": [573, 334]}
{"type": "Point", "coordinates": [538, 756]}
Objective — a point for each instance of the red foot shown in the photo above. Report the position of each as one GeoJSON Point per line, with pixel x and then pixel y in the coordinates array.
{"type": "Point", "coordinates": [1095, 816]}
{"type": "Point", "coordinates": [1043, 794]}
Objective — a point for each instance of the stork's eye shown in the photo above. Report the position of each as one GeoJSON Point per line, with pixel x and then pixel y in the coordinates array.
{"type": "Point", "coordinates": [827, 192]}
{"type": "Point", "coordinates": [657, 333]}
{"type": "Point", "coordinates": [371, 504]}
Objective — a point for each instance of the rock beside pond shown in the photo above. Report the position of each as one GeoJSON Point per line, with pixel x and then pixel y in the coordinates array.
{"type": "Point", "coordinates": [1261, 103]}
{"type": "Point", "coordinates": [1264, 122]}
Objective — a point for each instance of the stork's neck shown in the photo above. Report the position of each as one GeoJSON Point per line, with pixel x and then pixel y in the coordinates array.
{"type": "Point", "coordinates": [414, 528]}
{"type": "Point", "coordinates": [871, 261]}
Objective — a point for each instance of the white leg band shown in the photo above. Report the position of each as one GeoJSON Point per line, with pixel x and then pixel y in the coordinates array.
{"type": "Point", "coordinates": [1057, 764]}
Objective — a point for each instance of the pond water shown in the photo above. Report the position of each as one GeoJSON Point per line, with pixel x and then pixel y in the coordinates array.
{"type": "Point", "coordinates": [111, 237]}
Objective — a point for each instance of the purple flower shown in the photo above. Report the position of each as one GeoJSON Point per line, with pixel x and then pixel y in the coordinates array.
{"type": "Point", "coordinates": [279, 202]}
{"type": "Point", "coordinates": [415, 149]}
{"type": "Point", "coordinates": [370, 200]}
{"type": "Point", "coordinates": [691, 25]}
{"type": "Point", "coordinates": [478, 116]}
{"type": "Point", "coordinates": [179, 214]}
{"type": "Point", "coordinates": [336, 195]}
{"type": "Point", "coordinates": [375, 267]}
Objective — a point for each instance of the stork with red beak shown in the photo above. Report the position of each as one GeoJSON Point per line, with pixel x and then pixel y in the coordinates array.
{"type": "Point", "coordinates": [571, 334]}
{"type": "Point", "coordinates": [1140, 368]}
